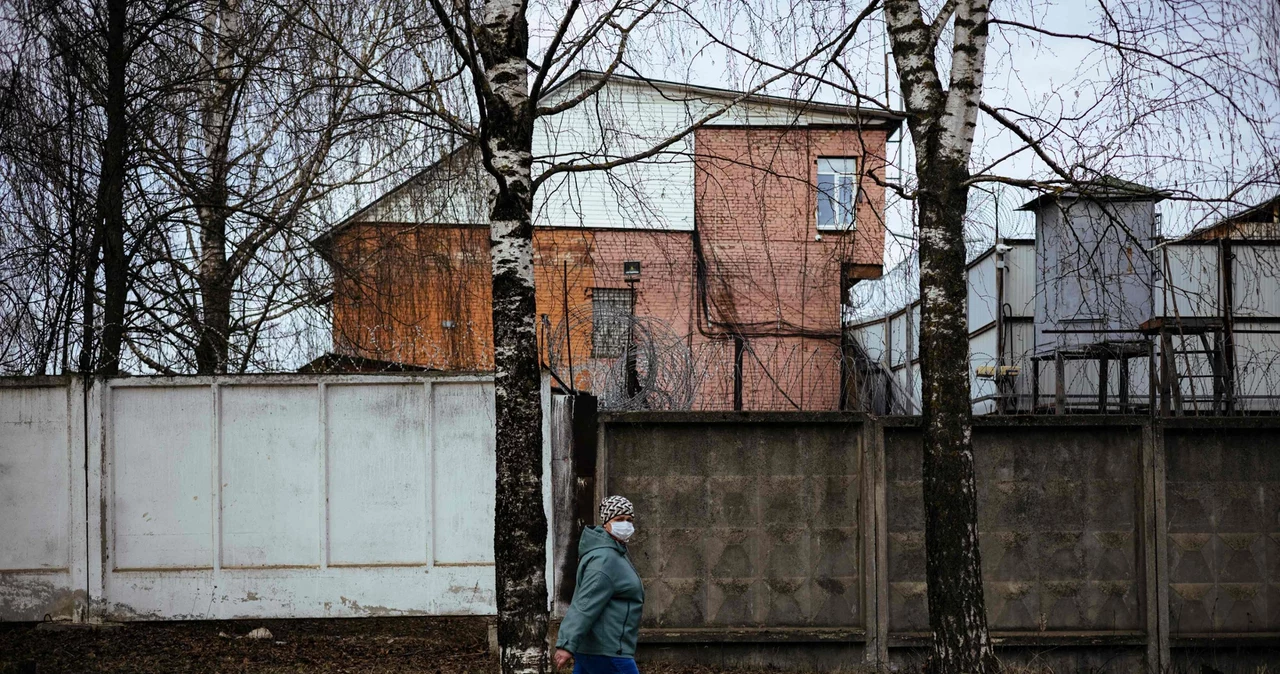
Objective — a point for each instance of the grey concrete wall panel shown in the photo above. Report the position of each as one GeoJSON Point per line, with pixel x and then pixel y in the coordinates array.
{"type": "Point", "coordinates": [1223, 491]}
{"type": "Point", "coordinates": [1058, 516]}
{"type": "Point", "coordinates": [743, 525]}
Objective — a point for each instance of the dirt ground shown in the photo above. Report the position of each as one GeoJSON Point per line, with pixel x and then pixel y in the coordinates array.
{"type": "Point", "coordinates": [367, 645]}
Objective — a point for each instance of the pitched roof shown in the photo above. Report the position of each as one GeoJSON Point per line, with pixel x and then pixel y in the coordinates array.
{"type": "Point", "coordinates": [1266, 213]}
{"type": "Point", "coordinates": [888, 118]}
{"type": "Point", "coordinates": [1103, 188]}
{"type": "Point", "coordinates": [321, 242]}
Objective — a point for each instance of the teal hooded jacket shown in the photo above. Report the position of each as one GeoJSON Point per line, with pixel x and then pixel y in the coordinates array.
{"type": "Point", "coordinates": [604, 618]}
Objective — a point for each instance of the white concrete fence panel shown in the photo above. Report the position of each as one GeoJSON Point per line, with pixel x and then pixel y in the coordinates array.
{"type": "Point", "coordinates": [266, 496]}
{"type": "Point", "coordinates": [42, 500]}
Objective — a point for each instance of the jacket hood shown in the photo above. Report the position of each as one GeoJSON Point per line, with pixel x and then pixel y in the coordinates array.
{"type": "Point", "coordinates": [594, 538]}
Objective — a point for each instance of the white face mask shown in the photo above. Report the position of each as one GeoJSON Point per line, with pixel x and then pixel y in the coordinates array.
{"type": "Point", "coordinates": [622, 530]}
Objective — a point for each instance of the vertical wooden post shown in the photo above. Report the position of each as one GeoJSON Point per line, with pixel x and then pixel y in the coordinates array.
{"type": "Point", "coordinates": [1166, 375]}
{"type": "Point", "coordinates": [1035, 385]}
{"type": "Point", "coordinates": [1152, 380]}
{"type": "Point", "coordinates": [1228, 348]}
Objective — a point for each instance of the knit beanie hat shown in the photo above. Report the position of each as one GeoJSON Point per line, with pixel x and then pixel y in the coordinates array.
{"type": "Point", "coordinates": [613, 506]}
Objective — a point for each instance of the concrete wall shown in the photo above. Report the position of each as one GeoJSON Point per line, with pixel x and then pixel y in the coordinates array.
{"type": "Point", "coordinates": [267, 496]}
{"type": "Point", "coordinates": [1223, 496]}
{"type": "Point", "coordinates": [42, 500]}
{"type": "Point", "coordinates": [749, 521]}
{"type": "Point", "coordinates": [744, 525]}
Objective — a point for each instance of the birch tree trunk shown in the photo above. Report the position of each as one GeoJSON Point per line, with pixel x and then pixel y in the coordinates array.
{"type": "Point", "coordinates": [222, 27]}
{"type": "Point", "coordinates": [942, 123]}
{"type": "Point", "coordinates": [520, 532]}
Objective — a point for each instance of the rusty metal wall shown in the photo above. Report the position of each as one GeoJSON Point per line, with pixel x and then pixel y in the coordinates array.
{"type": "Point", "coordinates": [252, 497]}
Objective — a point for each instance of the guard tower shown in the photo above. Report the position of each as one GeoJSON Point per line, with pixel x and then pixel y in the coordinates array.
{"type": "Point", "coordinates": [1094, 289]}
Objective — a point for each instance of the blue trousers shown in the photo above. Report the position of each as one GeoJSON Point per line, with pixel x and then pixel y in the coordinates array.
{"type": "Point", "coordinates": [584, 663]}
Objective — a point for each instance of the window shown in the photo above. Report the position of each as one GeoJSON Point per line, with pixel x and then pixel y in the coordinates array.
{"type": "Point", "coordinates": [837, 192]}
{"type": "Point", "coordinates": [610, 320]}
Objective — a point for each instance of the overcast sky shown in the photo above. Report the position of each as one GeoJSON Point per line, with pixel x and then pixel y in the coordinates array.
{"type": "Point", "coordinates": [1140, 120]}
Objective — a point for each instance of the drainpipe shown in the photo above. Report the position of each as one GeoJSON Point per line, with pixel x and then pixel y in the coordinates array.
{"type": "Point", "coordinates": [739, 345]}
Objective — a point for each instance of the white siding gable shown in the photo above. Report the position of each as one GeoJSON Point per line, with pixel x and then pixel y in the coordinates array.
{"type": "Point", "coordinates": [625, 118]}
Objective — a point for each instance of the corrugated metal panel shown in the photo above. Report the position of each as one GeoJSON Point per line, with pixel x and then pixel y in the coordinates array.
{"type": "Point", "coordinates": [1256, 271]}
{"type": "Point", "coordinates": [915, 386]}
{"type": "Point", "coordinates": [871, 338]}
{"type": "Point", "coordinates": [1019, 348]}
{"type": "Point", "coordinates": [1190, 287]}
{"type": "Point", "coordinates": [42, 532]}
{"type": "Point", "coordinates": [1019, 342]}
{"type": "Point", "coordinates": [1082, 382]}
{"type": "Point", "coordinates": [1257, 367]}
{"type": "Point", "coordinates": [913, 337]}
{"type": "Point", "coordinates": [982, 293]}
{"type": "Point", "coordinates": [1093, 274]}
{"type": "Point", "coordinates": [898, 339]}
{"type": "Point", "coordinates": [1195, 372]}
{"type": "Point", "coordinates": [1020, 279]}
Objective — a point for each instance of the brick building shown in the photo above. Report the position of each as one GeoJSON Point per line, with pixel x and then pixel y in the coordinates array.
{"type": "Point", "coordinates": [720, 262]}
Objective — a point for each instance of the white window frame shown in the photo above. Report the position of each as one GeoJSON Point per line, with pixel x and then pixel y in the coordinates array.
{"type": "Point", "coordinates": [850, 171]}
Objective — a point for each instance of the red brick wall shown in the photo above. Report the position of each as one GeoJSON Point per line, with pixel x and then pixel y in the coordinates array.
{"type": "Point", "coordinates": [768, 276]}
{"type": "Point", "coordinates": [765, 276]}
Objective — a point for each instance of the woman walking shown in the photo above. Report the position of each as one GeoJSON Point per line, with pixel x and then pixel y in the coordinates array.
{"type": "Point", "coordinates": [599, 631]}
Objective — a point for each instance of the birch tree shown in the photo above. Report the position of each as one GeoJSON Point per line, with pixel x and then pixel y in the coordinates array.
{"type": "Point", "coordinates": [1184, 95]}
{"type": "Point", "coordinates": [1171, 64]}
{"type": "Point", "coordinates": [943, 117]}
{"type": "Point", "coordinates": [489, 92]}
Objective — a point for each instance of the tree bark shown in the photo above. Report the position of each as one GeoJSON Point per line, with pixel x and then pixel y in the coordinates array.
{"type": "Point", "coordinates": [942, 123]}
{"type": "Point", "coordinates": [115, 265]}
{"type": "Point", "coordinates": [520, 532]}
{"type": "Point", "coordinates": [222, 27]}
{"type": "Point", "coordinates": [957, 610]}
